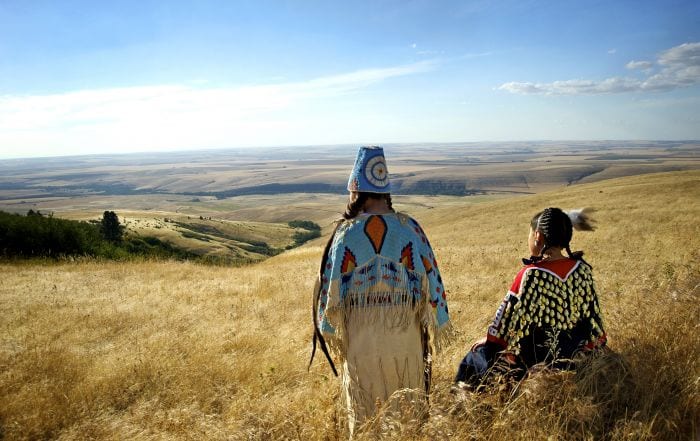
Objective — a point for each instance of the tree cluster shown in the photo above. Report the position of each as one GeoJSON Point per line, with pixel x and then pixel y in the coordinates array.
{"type": "Point", "coordinates": [38, 235]}
{"type": "Point", "coordinates": [312, 231]}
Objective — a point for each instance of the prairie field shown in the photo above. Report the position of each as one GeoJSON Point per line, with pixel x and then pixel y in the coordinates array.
{"type": "Point", "coordinates": [175, 350]}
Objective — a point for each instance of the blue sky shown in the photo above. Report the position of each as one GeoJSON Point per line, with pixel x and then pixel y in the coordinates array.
{"type": "Point", "coordinates": [81, 77]}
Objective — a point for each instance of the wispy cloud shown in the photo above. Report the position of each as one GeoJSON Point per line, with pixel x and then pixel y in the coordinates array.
{"type": "Point", "coordinates": [674, 68]}
{"type": "Point", "coordinates": [643, 65]}
{"type": "Point", "coordinates": [349, 82]}
{"type": "Point", "coordinates": [103, 105]}
{"type": "Point", "coordinates": [174, 116]}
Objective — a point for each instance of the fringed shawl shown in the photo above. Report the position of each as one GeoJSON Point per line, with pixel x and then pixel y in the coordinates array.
{"type": "Point", "coordinates": [382, 270]}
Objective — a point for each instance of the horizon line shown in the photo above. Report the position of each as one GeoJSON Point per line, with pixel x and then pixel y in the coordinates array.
{"type": "Point", "coordinates": [349, 144]}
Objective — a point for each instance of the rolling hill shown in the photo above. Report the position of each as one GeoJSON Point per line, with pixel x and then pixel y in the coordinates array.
{"type": "Point", "coordinates": [170, 350]}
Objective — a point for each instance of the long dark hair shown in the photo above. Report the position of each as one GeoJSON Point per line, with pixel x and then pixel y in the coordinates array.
{"type": "Point", "coordinates": [357, 199]}
{"type": "Point", "coordinates": [557, 229]}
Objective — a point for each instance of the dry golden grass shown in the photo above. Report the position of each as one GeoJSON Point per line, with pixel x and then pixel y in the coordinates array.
{"type": "Point", "coordinates": [165, 350]}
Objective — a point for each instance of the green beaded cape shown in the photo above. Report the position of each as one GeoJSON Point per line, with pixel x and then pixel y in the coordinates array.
{"type": "Point", "coordinates": [550, 316]}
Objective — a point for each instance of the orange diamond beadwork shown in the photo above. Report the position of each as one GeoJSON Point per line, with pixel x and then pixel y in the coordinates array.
{"type": "Point", "coordinates": [376, 229]}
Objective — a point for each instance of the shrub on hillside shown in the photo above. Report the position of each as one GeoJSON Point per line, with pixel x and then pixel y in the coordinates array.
{"type": "Point", "coordinates": [307, 225]}
{"type": "Point", "coordinates": [313, 230]}
{"type": "Point", "coordinates": [259, 248]}
{"type": "Point", "coordinates": [154, 247]}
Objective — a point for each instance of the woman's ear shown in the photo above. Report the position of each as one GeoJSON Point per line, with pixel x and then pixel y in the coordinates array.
{"type": "Point", "coordinates": [539, 237]}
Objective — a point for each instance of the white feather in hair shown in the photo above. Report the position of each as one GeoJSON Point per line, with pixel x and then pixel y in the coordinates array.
{"type": "Point", "coordinates": [580, 219]}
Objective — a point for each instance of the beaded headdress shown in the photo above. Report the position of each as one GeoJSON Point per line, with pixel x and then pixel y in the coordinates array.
{"type": "Point", "coordinates": [370, 173]}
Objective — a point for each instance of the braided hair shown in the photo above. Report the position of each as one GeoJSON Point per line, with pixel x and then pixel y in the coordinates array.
{"type": "Point", "coordinates": [557, 228]}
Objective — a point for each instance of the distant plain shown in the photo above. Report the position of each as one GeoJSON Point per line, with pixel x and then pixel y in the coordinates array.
{"type": "Point", "coordinates": [234, 205]}
{"type": "Point", "coordinates": [212, 182]}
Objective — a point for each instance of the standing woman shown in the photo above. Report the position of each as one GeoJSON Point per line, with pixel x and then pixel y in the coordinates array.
{"type": "Point", "coordinates": [380, 302]}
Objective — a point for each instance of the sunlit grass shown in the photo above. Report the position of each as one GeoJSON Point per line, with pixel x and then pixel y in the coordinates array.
{"type": "Point", "coordinates": [161, 350]}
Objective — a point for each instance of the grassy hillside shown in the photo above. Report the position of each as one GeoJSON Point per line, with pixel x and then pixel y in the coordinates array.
{"type": "Point", "coordinates": [214, 239]}
{"type": "Point", "coordinates": [182, 351]}
{"type": "Point", "coordinates": [229, 241]}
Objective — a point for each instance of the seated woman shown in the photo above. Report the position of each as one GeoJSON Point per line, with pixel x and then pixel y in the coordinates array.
{"type": "Point", "coordinates": [551, 312]}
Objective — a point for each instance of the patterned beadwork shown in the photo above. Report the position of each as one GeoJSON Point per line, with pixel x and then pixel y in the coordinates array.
{"type": "Point", "coordinates": [548, 301]}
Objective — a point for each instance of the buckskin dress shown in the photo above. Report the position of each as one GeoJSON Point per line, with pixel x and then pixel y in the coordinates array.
{"type": "Point", "coordinates": [382, 309]}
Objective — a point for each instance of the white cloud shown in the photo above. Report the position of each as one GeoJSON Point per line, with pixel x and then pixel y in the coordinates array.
{"type": "Point", "coordinates": [679, 67]}
{"type": "Point", "coordinates": [572, 87]}
{"type": "Point", "coordinates": [687, 54]}
{"type": "Point", "coordinates": [171, 116]}
{"type": "Point", "coordinates": [642, 65]}
{"type": "Point", "coordinates": [344, 83]}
